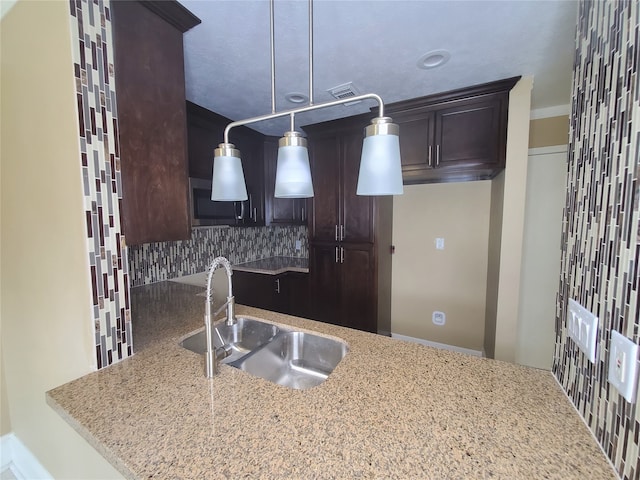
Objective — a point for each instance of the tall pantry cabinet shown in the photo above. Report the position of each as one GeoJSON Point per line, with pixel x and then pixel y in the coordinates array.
{"type": "Point", "coordinates": [349, 235]}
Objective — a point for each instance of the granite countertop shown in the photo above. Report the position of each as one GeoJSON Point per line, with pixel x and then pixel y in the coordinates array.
{"type": "Point", "coordinates": [390, 409]}
{"type": "Point", "coordinates": [274, 265]}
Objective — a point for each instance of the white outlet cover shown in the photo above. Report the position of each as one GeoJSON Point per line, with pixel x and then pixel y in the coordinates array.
{"type": "Point", "coordinates": [623, 365]}
{"type": "Point", "coordinates": [583, 329]}
{"type": "Point", "coordinates": [439, 243]}
{"type": "Point", "coordinates": [438, 318]}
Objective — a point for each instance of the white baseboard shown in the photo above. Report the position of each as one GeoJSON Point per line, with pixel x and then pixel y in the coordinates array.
{"type": "Point", "coordinates": [19, 459]}
{"type": "Point", "coordinates": [442, 346]}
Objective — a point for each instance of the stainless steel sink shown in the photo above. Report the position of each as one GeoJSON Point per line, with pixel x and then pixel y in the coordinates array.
{"type": "Point", "coordinates": [294, 359]}
{"type": "Point", "coordinates": [244, 337]}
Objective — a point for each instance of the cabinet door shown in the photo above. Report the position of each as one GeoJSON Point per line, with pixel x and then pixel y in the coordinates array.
{"type": "Point", "coordinates": [295, 289]}
{"type": "Point", "coordinates": [357, 280]}
{"type": "Point", "coordinates": [251, 154]}
{"type": "Point", "coordinates": [152, 121]}
{"type": "Point", "coordinates": [279, 211]}
{"type": "Point", "coordinates": [416, 137]}
{"type": "Point", "coordinates": [324, 270]}
{"type": "Point", "coordinates": [255, 289]}
{"type": "Point", "coordinates": [325, 173]}
{"type": "Point", "coordinates": [469, 134]}
{"type": "Point", "coordinates": [356, 222]}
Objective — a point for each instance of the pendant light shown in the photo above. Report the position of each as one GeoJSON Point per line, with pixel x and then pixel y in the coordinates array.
{"type": "Point", "coordinates": [380, 166]}
{"type": "Point", "coordinates": [293, 175]}
{"type": "Point", "coordinates": [227, 183]}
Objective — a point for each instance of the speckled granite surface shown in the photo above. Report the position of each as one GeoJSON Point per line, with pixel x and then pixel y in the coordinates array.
{"type": "Point", "coordinates": [390, 410]}
{"type": "Point", "coordinates": [275, 265]}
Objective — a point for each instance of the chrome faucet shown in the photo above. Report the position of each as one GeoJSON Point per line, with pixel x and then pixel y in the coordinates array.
{"type": "Point", "coordinates": [213, 357]}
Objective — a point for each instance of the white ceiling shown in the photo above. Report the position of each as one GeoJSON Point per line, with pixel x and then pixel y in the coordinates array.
{"type": "Point", "coordinates": [375, 44]}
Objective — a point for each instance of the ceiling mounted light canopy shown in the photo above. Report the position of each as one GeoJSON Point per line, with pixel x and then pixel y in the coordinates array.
{"type": "Point", "coordinates": [380, 167]}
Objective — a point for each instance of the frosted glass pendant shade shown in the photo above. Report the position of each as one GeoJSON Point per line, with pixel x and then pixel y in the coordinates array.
{"type": "Point", "coordinates": [293, 175]}
{"type": "Point", "coordinates": [227, 184]}
{"type": "Point", "coordinates": [380, 167]}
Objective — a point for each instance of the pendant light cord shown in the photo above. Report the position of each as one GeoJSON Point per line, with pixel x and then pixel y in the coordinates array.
{"type": "Point", "coordinates": [310, 52]}
{"type": "Point", "coordinates": [273, 58]}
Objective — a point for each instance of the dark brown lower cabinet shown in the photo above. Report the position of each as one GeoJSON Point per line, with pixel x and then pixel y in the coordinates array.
{"type": "Point", "coordinates": [284, 293]}
{"type": "Point", "coordinates": [345, 287]}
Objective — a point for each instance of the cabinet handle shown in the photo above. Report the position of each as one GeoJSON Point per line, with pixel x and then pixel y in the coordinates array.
{"type": "Point", "coordinates": [429, 161]}
{"type": "Point", "coordinates": [341, 254]}
{"type": "Point", "coordinates": [336, 254]}
{"type": "Point", "coordinates": [438, 155]}
{"type": "Point", "coordinates": [336, 234]}
{"type": "Point", "coordinates": [277, 285]}
{"type": "Point", "coordinates": [241, 216]}
{"type": "Point", "coordinates": [302, 208]}
{"type": "Point", "coordinates": [255, 214]}
{"type": "Point", "coordinates": [341, 232]}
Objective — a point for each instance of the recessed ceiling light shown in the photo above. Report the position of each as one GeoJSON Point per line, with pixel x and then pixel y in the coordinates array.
{"type": "Point", "coordinates": [296, 97]}
{"type": "Point", "coordinates": [433, 59]}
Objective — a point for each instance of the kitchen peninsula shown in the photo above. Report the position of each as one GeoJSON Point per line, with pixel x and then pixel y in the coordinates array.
{"type": "Point", "coordinates": [390, 409]}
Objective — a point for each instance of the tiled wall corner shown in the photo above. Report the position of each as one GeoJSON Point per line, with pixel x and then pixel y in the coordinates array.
{"type": "Point", "coordinates": [155, 262]}
{"type": "Point", "coordinates": [100, 163]}
{"type": "Point", "coordinates": [601, 230]}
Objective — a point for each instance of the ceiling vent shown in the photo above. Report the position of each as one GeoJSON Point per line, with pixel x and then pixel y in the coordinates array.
{"type": "Point", "coordinates": [345, 91]}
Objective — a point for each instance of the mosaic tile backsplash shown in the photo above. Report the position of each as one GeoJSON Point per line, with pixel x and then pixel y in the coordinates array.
{"type": "Point", "coordinates": [155, 262]}
{"type": "Point", "coordinates": [100, 165]}
{"type": "Point", "coordinates": [601, 230]}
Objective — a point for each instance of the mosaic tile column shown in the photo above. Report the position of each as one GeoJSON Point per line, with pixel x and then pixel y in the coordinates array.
{"type": "Point", "coordinates": [100, 165]}
{"type": "Point", "coordinates": [601, 234]}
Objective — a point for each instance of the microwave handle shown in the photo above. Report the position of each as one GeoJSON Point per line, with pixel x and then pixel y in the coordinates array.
{"type": "Point", "coordinates": [241, 216]}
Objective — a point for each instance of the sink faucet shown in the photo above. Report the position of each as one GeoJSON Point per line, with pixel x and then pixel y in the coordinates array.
{"type": "Point", "coordinates": [212, 357]}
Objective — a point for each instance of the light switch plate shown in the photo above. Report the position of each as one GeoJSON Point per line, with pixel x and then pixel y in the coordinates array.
{"type": "Point", "coordinates": [583, 329]}
{"type": "Point", "coordinates": [623, 365]}
{"type": "Point", "coordinates": [439, 243]}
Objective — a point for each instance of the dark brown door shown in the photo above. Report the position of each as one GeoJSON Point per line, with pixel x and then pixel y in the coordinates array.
{"type": "Point", "coordinates": [416, 137]}
{"type": "Point", "coordinates": [325, 172]}
{"type": "Point", "coordinates": [468, 134]}
{"type": "Point", "coordinates": [357, 277]}
{"type": "Point", "coordinates": [325, 283]}
{"type": "Point", "coordinates": [357, 211]}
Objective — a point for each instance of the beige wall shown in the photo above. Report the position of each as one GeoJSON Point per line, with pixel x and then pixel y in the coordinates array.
{"type": "Point", "coordinates": [493, 265]}
{"type": "Point", "coordinates": [546, 192]}
{"type": "Point", "coordinates": [515, 185]}
{"type": "Point", "coordinates": [45, 288]}
{"type": "Point", "coordinates": [5, 419]}
{"type": "Point", "coordinates": [452, 280]}
{"type": "Point", "coordinates": [545, 132]}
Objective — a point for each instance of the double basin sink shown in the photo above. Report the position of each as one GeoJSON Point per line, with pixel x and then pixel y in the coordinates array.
{"type": "Point", "coordinates": [291, 358]}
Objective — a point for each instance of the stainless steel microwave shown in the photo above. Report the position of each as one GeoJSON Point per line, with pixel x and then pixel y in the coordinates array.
{"type": "Point", "coordinates": [205, 211]}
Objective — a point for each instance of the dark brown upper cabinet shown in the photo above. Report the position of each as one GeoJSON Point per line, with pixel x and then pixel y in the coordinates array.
{"type": "Point", "coordinates": [205, 133]}
{"type": "Point", "coordinates": [280, 211]}
{"type": "Point", "coordinates": [454, 136]}
{"type": "Point", "coordinates": [149, 72]}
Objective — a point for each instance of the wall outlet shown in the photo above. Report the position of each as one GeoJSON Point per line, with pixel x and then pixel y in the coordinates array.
{"type": "Point", "coordinates": [583, 329]}
{"type": "Point", "coordinates": [438, 318]}
{"type": "Point", "coordinates": [298, 245]}
{"type": "Point", "coordinates": [439, 243]}
{"type": "Point", "coordinates": [623, 366]}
